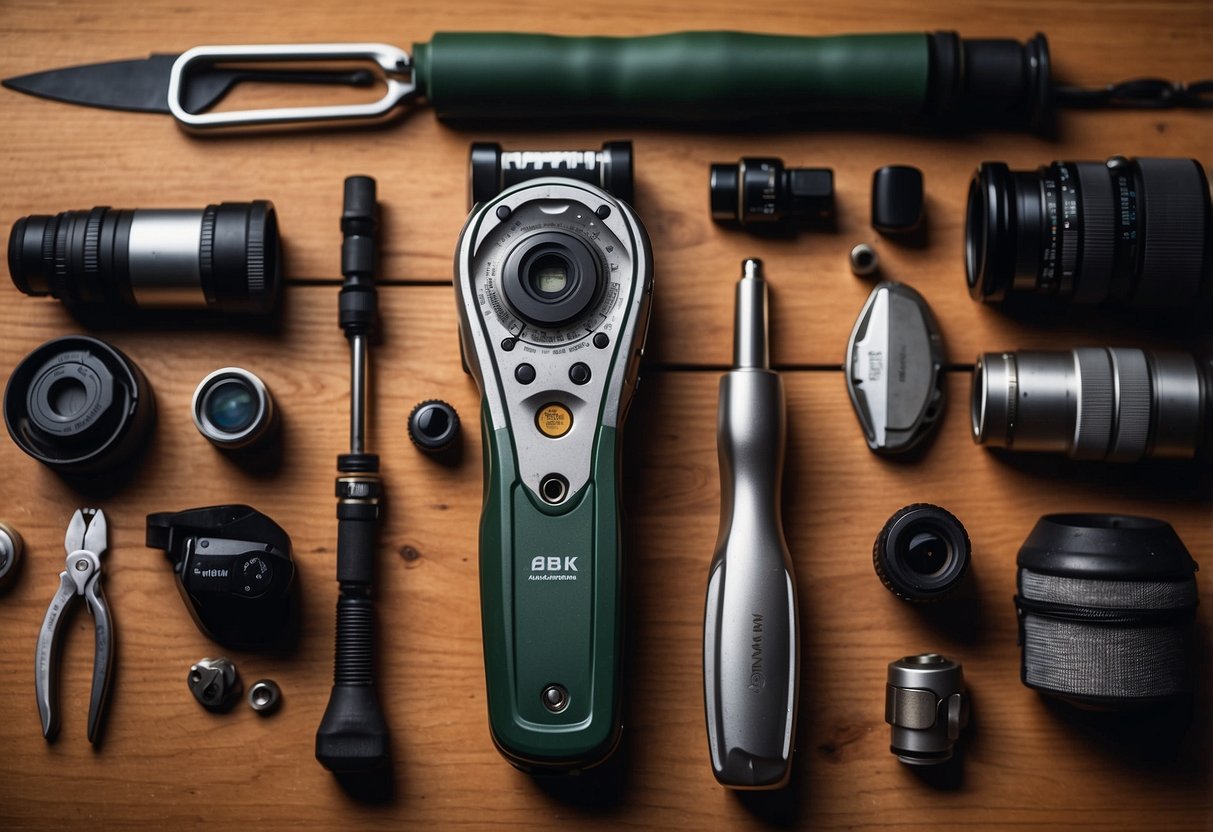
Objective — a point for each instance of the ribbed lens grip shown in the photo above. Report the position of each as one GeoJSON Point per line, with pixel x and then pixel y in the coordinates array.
{"type": "Point", "coordinates": [1093, 368]}
{"type": "Point", "coordinates": [1174, 204]}
{"type": "Point", "coordinates": [1133, 408]}
{"type": "Point", "coordinates": [1094, 275]}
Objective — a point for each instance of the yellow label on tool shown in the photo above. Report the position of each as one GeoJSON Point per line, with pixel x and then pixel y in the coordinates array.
{"type": "Point", "coordinates": [554, 420]}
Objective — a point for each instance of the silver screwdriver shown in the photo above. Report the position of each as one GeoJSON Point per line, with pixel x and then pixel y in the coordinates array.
{"type": "Point", "coordinates": [751, 641]}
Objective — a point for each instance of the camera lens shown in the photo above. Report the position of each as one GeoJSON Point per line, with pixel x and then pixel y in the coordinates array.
{"type": "Point", "coordinates": [225, 257]}
{"type": "Point", "coordinates": [1133, 231]}
{"type": "Point", "coordinates": [922, 553]}
{"type": "Point", "coordinates": [761, 190]}
{"type": "Point", "coordinates": [551, 278]}
{"type": "Point", "coordinates": [233, 408]}
{"type": "Point", "coordinates": [1098, 403]}
{"type": "Point", "coordinates": [79, 405]}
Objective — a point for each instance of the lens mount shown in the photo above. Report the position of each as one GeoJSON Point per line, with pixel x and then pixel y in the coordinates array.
{"type": "Point", "coordinates": [551, 278]}
{"type": "Point", "coordinates": [232, 408]}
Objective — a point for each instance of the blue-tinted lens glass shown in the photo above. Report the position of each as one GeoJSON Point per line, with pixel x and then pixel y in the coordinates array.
{"type": "Point", "coordinates": [231, 406]}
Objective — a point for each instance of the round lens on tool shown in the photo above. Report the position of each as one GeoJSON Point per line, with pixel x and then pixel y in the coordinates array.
{"type": "Point", "coordinates": [434, 427]}
{"type": "Point", "coordinates": [79, 405]}
{"type": "Point", "coordinates": [893, 368]}
{"type": "Point", "coordinates": [922, 553]}
{"type": "Point", "coordinates": [897, 199]}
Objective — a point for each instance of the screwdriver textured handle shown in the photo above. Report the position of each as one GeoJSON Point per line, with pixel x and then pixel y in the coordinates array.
{"type": "Point", "coordinates": [700, 75]}
{"type": "Point", "coordinates": [751, 628]}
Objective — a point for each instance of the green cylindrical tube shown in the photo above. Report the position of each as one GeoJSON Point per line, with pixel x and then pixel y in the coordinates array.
{"type": "Point", "coordinates": [708, 76]}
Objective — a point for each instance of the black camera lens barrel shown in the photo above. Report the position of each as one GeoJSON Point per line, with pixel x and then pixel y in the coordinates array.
{"type": "Point", "coordinates": [1132, 231]}
{"type": "Point", "coordinates": [79, 406]}
{"type": "Point", "coordinates": [760, 190]}
{"type": "Point", "coordinates": [226, 257]}
{"type": "Point", "coordinates": [492, 169]}
{"type": "Point", "coordinates": [922, 553]}
{"type": "Point", "coordinates": [1097, 403]}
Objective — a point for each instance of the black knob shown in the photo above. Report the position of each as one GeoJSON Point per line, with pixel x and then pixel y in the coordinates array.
{"type": "Point", "coordinates": [434, 426]}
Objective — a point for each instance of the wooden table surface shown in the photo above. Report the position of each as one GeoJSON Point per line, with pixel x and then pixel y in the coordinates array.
{"type": "Point", "coordinates": [167, 763]}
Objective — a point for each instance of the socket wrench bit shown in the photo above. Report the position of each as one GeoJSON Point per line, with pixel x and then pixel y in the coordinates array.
{"type": "Point", "coordinates": [927, 705]}
{"type": "Point", "coordinates": [751, 641]}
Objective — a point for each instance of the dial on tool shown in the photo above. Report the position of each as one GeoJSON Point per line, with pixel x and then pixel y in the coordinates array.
{"type": "Point", "coordinates": [751, 633]}
{"type": "Point", "coordinates": [85, 543]}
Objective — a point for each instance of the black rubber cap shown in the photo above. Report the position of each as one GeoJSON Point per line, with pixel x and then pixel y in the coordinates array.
{"type": "Point", "coordinates": [897, 199]}
{"type": "Point", "coordinates": [1107, 547]}
{"type": "Point", "coordinates": [433, 426]}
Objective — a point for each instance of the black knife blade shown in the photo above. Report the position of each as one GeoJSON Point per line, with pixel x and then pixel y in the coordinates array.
{"type": "Point", "coordinates": [137, 85]}
{"type": "Point", "coordinates": [141, 85]}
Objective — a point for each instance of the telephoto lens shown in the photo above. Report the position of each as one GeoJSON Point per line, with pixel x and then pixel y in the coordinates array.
{"type": "Point", "coordinates": [1096, 403]}
{"type": "Point", "coordinates": [233, 409]}
{"type": "Point", "coordinates": [760, 191]}
{"type": "Point", "coordinates": [223, 257]}
{"type": "Point", "coordinates": [1131, 231]}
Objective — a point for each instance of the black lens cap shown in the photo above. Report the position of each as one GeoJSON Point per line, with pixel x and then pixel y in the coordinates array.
{"type": "Point", "coordinates": [79, 405]}
{"type": "Point", "coordinates": [897, 199]}
{"type": "Point", "coordinates": [922, 553]}
{"type": "Point", "coordinates": [434, 428]}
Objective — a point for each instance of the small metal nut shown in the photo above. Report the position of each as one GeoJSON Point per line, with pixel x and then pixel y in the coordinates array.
{"type": "Point", "coordinates": [214, 683]}
{"type": "Point", "coordinates": [264, 696]}
{"type": "Point", "coordinates": [864, 260]}
{"type": "Point", "coordinates": [10, 553]}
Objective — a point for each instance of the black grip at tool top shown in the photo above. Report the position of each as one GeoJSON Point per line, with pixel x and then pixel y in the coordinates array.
{"type": "Point", "coordinates": [359, 303]}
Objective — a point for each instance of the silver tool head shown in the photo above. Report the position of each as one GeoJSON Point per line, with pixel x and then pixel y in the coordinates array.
{"type": "Point", "coordinates": [87, 532]}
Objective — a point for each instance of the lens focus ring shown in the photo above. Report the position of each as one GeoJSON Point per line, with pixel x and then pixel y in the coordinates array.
{"type": "Point", "coordinates": [1132, 374]}
{"type": "Point", "coordinates": [1093, 369]}
{"type": "Point", "coordinates": [1098, 234]}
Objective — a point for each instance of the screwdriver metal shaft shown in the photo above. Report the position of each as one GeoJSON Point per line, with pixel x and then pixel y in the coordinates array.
{"type": "Point", "coordinates": [751, 640]}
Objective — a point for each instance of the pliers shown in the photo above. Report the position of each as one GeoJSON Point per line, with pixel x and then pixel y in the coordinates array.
{"type": "Point", "coordinates": [85, 541]}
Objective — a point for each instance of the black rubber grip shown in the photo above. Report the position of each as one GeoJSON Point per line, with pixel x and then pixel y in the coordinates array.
{"type": "Point", "coordinates": [357, 527]}
{"type": "Point", "coordinates": [355, 657]}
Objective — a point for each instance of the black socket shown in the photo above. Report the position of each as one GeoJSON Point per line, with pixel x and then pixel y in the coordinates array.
{"type": "Point", "coordinates": [762, 191]}
{"type": "Point", "coordinates": [922, 553]}
{"type": "Point", "coordinates": [224, 257]}
{"type": "Point", "coordinates": [79, 405]}
{"type": "Point", "coordinates": [1130, 231]}
{"type": "Point", "coordinates": [434, 426]}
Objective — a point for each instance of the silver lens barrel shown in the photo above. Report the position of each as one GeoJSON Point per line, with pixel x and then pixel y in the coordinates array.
{"type": "Point", "coordinates": [1096, 403]}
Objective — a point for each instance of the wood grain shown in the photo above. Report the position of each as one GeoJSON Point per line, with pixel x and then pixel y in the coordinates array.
{"type": "Point", "coordinates": [165, 762]}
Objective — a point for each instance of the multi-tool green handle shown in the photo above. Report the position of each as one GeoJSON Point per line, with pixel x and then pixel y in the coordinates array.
{"type": "Point", "coordinates": [730, 75]}
{"type": "Point", "coordinates": [552, 659]}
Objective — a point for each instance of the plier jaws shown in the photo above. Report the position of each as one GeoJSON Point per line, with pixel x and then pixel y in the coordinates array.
{"type": "Point", "coordinates": [81, 578]}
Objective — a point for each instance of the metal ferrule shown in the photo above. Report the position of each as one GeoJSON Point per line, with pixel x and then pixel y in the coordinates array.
{"type": "Point", "coordinates": [164, 258]}
{"type": "Point", "coordinates": [750, 343]}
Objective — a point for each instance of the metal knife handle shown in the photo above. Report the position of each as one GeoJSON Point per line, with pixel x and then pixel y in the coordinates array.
{"type": "Point", "coordinates": [751, 628]}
